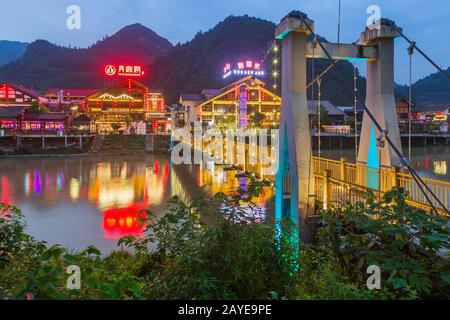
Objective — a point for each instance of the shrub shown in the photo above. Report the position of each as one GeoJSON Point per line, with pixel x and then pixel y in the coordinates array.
{"type": "Point", "coordinates": [408, 244]}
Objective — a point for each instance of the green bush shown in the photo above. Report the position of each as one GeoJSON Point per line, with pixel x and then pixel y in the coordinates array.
{"type": "Point", "coordinates": [225, 248]}
{"type": "Point", "coordinates": [408, 244]}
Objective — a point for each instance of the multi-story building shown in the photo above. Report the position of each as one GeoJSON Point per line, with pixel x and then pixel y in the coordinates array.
{"type": "Point", "coordinates": [126, 102]}
{"type": "Point", "coordinates": [245, 103]}
{"type": "Point", "coordinates": [13, 95]}
{"type": "Point", "coordinates": [65, 99]}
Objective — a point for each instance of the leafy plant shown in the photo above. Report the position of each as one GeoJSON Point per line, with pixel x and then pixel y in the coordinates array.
{"type": "Point", "coordinates": [408, 244]}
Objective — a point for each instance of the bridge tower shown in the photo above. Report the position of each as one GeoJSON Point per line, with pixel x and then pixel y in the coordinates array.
{"type": "Point", "coordinates": [294, 181]}
{"type": "Point", "coordinates": [380, 98]}
{"type": "Point", "coordinates": [294, 178]}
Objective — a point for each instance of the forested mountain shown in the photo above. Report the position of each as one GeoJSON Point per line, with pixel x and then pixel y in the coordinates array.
{"type": "Point", "coordinates": [46, 65]}
{"type": "Point", "coordinates": [11, 50]}
{"type": "Point", "coordinates": [188, 67]}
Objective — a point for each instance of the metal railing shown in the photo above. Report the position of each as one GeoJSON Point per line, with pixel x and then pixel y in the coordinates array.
{"type": "Point", "coordinates": [340, 181]}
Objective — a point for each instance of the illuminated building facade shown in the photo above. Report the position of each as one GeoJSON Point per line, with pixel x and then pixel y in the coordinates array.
{"type": "Point", "coordinates": [64, 99]}
{"type": "Point", "coordinates": [12, 95]}
{"type": "Point", "coordinates": [245, 103]}
{"type": "Point", "coordinates": [46, 123]}
{"type": "Point", "coordinates": [127, 101]}
{"type": "Point", "coordinates": [10, 120]}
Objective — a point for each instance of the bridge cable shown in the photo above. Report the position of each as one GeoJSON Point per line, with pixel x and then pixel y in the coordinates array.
{"type": "Point", "coordinates": [355, 101]}
{"type": "Point", "coordinates": [313, 61]}
{"type": "Point", "coordinates": [413, 44]}
{"type": "Point", "coordinates": [406, 163]}
{"type": "Point", "coordinates": [410, 53]}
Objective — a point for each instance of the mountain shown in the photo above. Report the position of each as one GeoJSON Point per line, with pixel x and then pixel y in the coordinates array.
{"type": "Point", "coordinates": [11, 50]}
{"type": "Point", "coordinates": [197, 64]}
{"type": "Point", "coordinates": [184, 68]}
{"type": "Point", "coordinates": [433, 89]}
{"type": "Point", "coordinates": [46, 65]}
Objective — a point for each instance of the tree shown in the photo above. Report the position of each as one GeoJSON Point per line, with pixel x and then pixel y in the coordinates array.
{"type": "Point", "coordinates": [258, 118]}
{"type": "Point", "coordinates": [115, 126]}
{"type": "Point", "coordinates": [37, 107]}
{"type": "Point", "coordinates": [350, 121]}
{"type": "Point", "coordinates": [324, 117]}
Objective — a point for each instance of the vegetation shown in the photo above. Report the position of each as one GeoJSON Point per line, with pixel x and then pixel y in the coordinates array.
{"type": "Point", "coordinates": [123, 144]}
{"type": "Point", "coordinates": [38, 107]}
{"type": "Point", "coordinates": [223, 248]}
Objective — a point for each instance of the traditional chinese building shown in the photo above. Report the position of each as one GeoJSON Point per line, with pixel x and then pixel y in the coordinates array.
{"type": "Point", "coordinates": [63, 99]}
{"type": "Point", "coordinates": [11, 119]}
{"type": "Point", "coordinates": [126, 102]}
{"type": "Point", "coordinates": [46, 123]}
{"type": "Point", "coordinates": [244, 103]}
{"type": "Point", "coordinates": [13, 95]}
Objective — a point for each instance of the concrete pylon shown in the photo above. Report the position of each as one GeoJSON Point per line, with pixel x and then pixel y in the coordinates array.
{"type": "Point", "coordinates": [380, 99]}
{"type": "Point", "coordinates": [294, 176]}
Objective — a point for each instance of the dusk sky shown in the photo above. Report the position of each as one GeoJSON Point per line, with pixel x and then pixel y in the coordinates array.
{"type": "Point", "coordinates": [426, 22]}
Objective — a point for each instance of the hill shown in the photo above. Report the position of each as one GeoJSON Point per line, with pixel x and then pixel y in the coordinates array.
{"type": "Point", "coordinates": [184, 68]}
{"type": "Point", "coordinates": [46, 65]}
{"type": "Point", "coordinates": [197, 64]}
{"type": "Point", "coordinates": [11, 51]}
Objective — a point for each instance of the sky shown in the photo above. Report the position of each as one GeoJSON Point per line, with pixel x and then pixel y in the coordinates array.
{"type": "Point", "coordinates": [426, 22]}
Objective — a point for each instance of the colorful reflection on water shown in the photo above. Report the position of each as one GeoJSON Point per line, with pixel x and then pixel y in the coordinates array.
{"type": "Point", "coordinates": [77, 202]}
{"type": "Point", "coordinates": [430, 161]}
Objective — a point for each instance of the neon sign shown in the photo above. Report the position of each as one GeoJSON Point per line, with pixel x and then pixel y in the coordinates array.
{"type": "Point", "coordinates": [248, 67]}
{"type": "Point", "coordinates": [124, 70]}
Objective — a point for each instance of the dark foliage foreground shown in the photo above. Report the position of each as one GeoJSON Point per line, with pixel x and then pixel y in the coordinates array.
{"type": "Point", "coordinates": [238, 254]}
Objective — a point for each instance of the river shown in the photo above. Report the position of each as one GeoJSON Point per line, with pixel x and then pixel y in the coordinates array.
{"type": "Point", "coordinates": [82, 201]}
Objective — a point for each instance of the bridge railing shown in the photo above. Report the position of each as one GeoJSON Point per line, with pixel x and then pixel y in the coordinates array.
{"type": "Point", "coordinates": [340, 181]}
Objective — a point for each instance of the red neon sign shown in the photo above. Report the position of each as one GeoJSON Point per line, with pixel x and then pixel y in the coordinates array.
{"type": "Point", "coordinates": [124, 70]}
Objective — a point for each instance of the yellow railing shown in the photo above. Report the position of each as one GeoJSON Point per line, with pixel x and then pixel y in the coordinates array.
{"type": "Point", "coordinates": [340, 181]}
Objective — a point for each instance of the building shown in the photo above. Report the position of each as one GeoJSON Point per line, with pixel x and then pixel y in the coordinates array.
{"type": "Point", "coordinates": [242, 104]}
{"type": "Point", "coordinates": [46, 123]}
{"type": "Point", "coordinates": [13, 95]}
{"type": "Point", "coordinates": [433, 113]}
{"type": "Point", "coordinates": [10, 120]}
{"type": "Point", "coordinates": [335, 115]}
{"type": "Point", "coordinates": [187, 112]}
{"type": "Point", "coordinates": [82, 124]}
{"type": "Point", "coordinates": [350, 112]}
{"type": "Point", "coordinates": [126, 102]}
{"type": "Point", "coordinates": [64, 99]}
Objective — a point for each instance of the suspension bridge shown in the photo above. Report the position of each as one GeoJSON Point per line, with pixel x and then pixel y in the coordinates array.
{"type": "Point", "coordinates": [301, 181]}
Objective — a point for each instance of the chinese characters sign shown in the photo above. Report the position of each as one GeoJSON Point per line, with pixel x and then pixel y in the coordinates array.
{"type": "Point", "coordinates": [124, 70]}
{"type": "Point", "coordinates": [247, 67]}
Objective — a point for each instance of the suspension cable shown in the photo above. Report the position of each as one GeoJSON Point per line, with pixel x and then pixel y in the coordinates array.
{"type": "Point", "coordinates": [355, 101]}
{"type": "Point", "coordinates": [412, 43]}
{"type": "Point", "coordinates": [405, 162]}
{"type": "Point", "coordinates": [410, 53]}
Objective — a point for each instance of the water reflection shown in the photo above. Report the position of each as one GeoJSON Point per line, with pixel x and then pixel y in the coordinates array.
{"type": "Point", "coordinates": [85, 201]}
{"type": "Point", "coordinates": [430, 161]}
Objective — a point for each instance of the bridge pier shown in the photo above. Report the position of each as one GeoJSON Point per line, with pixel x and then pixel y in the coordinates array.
{"type": "Point", "coordinates": [294, 176]}
{"type": "Point", "coordinates": [380, 98]}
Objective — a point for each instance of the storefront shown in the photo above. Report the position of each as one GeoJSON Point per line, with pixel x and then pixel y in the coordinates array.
{"type": "Point", "coordinates": [46, 123]}
{"type": "Point", "coordinates": [10, 120]}
{"type": "Point", "coordinates": [115, 109]}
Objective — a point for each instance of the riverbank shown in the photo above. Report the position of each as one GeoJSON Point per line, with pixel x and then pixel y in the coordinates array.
{"type": "Point", "coordinates": [109, 145]}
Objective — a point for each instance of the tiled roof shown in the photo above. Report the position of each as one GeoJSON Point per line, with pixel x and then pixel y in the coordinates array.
{"type": "Point", "coordinates": [331, 108]}
{"type": "Point", "coordinates": [191, 97]}
{"type": "Point", "coordinates": [29, 116]}
{"type": "Point", "coordinates": [11, 112]}
{"type": "Point", "coordinates": [433, 107]}
{"type": "Point", "coordinates": [71, 92]}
